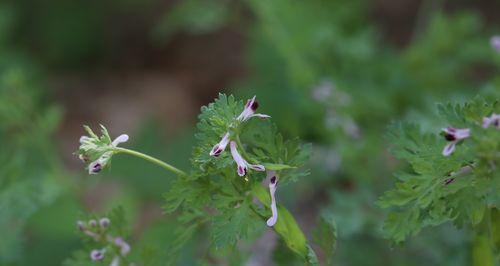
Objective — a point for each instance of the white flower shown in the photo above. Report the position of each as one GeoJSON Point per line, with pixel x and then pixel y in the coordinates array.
{"type": "Point", "coordinates": [249, 111]}
{"type": "Point", "coordinates": [323, 91]}
{"type": "Point", "coordinates": [97, 255]}
{"type": "Point", "coordinates": [104, 222]}
{"type": "Point", "coordinates": [220, 147]}
{"type": "Point", "coordinates": [495, 43]}
{"type": "Point", "coordinates": [273, 184]}
{"type": "Point", "coordinates": [494, 120]}
{"type": "Point", "coordinates": [124, 246]}
{"type": "Point", "coordinates": [242, 164]}
{"type": "Point", "coordinates": [454, 135]}
{"type": "Point", "coordinates": [97, 165]}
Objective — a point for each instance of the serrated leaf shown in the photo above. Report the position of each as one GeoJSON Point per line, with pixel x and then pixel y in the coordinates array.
{"type": "Point", "coordinates": [233, 224]}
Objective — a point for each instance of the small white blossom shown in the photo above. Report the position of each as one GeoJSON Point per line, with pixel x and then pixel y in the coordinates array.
{"type": "Point", "coordinates": [454, 135]}
{"type": "Point", "coordinates": [104, 222]}
{"type": "Point", "coordinates": [249, 111]}
{"type": "Point", "coordinates": [242, 164]}
{"type": "Point", "coordinates": [220, 147]}
{"type": "Point", "coordinates": [102, 148]}
{"type": "Point", "coordinates": [124, 246]}
{"type": "Point", "coordinates": [495, 43]}
{"type": "Point", "coordinates": [97, 255]}
{"type": "Point", "coordinates": [92, 223]}
{"type": "Point", "coordinates": [273, 184]}
{"type": "Point", "coordinates": [323, 91]}
{"type": "Point", "coordinates": [494, 120]}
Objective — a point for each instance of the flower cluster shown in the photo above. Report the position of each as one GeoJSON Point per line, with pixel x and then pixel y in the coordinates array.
{"type": "Point", "coordinates": [97, 151]}
{"type": "Point", "coordinates": [334, 100]}
{"type": "Point", "coordinates": [455, 135]}
{"type": "Point", "coordinates": [98, 232]}
{"type": "Point", "coordinates": [242, 164]}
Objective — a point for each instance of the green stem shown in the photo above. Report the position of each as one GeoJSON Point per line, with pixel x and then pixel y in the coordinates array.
{"type": "Point", "coordinates": [482, 249]}
{"type": "Point", "coordinates": [151, 159]}
{"type": "Point", "coordinates": [242, 149]}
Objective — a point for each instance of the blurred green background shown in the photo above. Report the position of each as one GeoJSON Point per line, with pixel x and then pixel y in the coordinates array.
{"type": "Point", "coordinates": [335, 73]}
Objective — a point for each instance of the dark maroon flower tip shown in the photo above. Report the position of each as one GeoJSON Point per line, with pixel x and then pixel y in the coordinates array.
{"type": "Point", "coordinates": [273, 180]}
{"type": "Point", "coordinates": [449, 181]}
{"type": "Point", "coordinates": [255, 105]}
{"type": "Point", "coordinates": [96, 168]}
{"type": "Point", "coordinates": [242, 170]}
{"type": "Point", "coordinates": [449, 137]}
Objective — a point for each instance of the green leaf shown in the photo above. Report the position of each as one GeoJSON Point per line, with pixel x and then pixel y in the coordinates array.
{"type": "Point", "coordinates": [277, 167]}
{"type": "Point", "coordinates": [233, 224]}
{"type": "Point", "coordinates": [215, 120]}
{"type": "Point", "coordinates": [325, 235]}
{"type": "Point", "coordinates": [286, 226]}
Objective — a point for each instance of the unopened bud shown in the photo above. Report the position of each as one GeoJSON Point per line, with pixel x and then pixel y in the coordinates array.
{"type": "Point", "coordinates": [104, 222]}
{"type": "Point", "coordinates": [93, 223]}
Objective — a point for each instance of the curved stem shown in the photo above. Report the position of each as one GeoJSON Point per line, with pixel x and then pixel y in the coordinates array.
{"type": "Point", "coordinates": [151, 159]}
{"type": "Point", "coordinates": [242, 149]}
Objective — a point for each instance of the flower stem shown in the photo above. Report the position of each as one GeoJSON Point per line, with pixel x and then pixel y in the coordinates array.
{"type": "Point", "coordinates": [238, 141]}
{"type": "Point", "coordinates": [151, 159]}
{"type": "Point", "coordinates": [482, 246]}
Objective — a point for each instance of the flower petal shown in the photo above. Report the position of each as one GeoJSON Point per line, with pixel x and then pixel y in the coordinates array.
{"type": "Point", "coordinates": [242, 164]}
{"type": "Point", "coordinates": [272, 190]}
{"type": "Point", "coordinates": [124, 246]}
{"type": "Point", "coordinates": [462, 133]}
{"type": "Point", "coordinates": [262, 116]}
{"type": "Point", "coordinates": [95, 167]}
{"type": "Point", "coordinates": [97, 255]}
{"type": "Point", "coordinates": [120, 139]}
{"type": "Point", "coordinates": [221, 146]}
{"type": "Point", "coordinates": [84, 139]}
{"type": "Point", "coordinates": [257, 167]}
{"type": "Point", "coordinates": [249, 110]}
{"type": "Point", "coordinates": [449, 148]}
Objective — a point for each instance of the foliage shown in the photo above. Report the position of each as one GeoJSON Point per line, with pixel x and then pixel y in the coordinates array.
{"type": "Point", "coordinates": [30, 171]}
{"type": "Point", "coordinates": [214, 185]}
{"type": "Point", "coordinates": [459, 188]}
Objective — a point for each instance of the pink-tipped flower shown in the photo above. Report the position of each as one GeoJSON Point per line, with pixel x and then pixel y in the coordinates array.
{"type": "Point", "coordinates": [124, 246]}
{"type": "Point", "coordinates": [242, 164]}
{"type": "Point", "coordinates": [273, 184]}
{"type": "Point", "coordinates": [454, 135]}
{"type": "Point", "coordinates": [249, 111]}
{"type": "Point", "coordinates": [97, 151]}
{"type": "Point", "coordinates": [220, 147]}
{"type": "Point", "coordinates": [495, 43]}
{"type": "Point", "coordinates": [493, 120]}
{"type": "Point", "coordinates": [97, 255]}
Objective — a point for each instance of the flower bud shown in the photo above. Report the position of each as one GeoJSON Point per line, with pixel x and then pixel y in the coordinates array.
{"type": "Point", "coordinates": [104, 222]}
{"type": "Point", "coordinates": [80, 225]}
{"type": "Point", "coordinates": [93, 223]}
